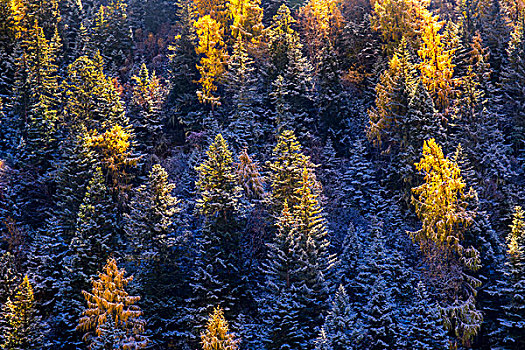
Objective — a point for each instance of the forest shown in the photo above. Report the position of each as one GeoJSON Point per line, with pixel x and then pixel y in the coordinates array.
{"type": "Point", "coordinates": [262, 174]}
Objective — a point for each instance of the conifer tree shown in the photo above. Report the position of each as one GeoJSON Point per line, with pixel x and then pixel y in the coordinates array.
{"type": "Point", "coordinates": [441, 205]}
{"type": "Point", "coordinates": [241, 84]}
{"type": "Point", "coordinates": [183, 68]}
{"type": "Point", "coordinates": [111, 35]}
{"type": "Point", "coordinates": [436, 64]}
{"type": "Point", "coordinates": [247, 17]}
{"type": "Point", "coordinates": [286, 170]}
{"type": "Point", "coordinates": [217, 335]}
{"type": "Point", "coordinates": [213, 58]}
{"type": "Point", "coordinates": [91, 98]}
{"type": "Point", "coordinates": [111, 318]}
{"type": "Point", "coordinates": [147, 104]}
{"type": "Point", "coordinates": [510, 288]}
{"type": "Point", "coordinates": [250, 179]}
{"type": "Point", "coordinates": [22, 329]}
{"type": "Point", "coordinates": [340, 330]}
{"type": "Point", "coordinates": [219, 275]}
{"type": "Point", "coordinates": [513, 85]}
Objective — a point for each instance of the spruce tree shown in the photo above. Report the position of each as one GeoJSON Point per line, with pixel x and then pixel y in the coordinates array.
{"type": "Point", "coordinates": [219, 276]}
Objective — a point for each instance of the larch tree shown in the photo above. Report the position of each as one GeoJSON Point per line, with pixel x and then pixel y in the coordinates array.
{"type": "Point", "coordinates": [22, 329]}
{"type": "Point", "coordinates": [397, 19]}
{"type": "Point", "coordinates": [441, 205]}
{"type": "Point", "coordinates": [246, 17]}
{"type": "Point", "coordinates": [249, 177]}
{"type": "Point", "coordinates": [213, 58]}
{"type": "Point", "coordinates": [216, 9]}
{"type": "Point", "coordinates": [436, 65]}
{"type": "Point", "coordinates": [112, 319]}
{"type": "Point", "coordinates": [217, 335]}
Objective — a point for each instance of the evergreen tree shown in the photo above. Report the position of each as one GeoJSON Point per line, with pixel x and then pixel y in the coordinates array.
{"type": "Point", "coordinates": [286, 170]}
{"type": "Point", "coordinates": [147, 106]}
{"type": "Point", "coordinates": [340, 329]}
{"type": "Point", "coordinates": [513, 85]}
{"type": "Point", "coordinates": [510, 289]}
{"type": "Point", "coordinates": [250, 179]}
{"type": "Point", "coordinates": [111, 35]}
{"type": "Point", "coordinates": [111, 318]}
{"type": "Point", "coordinates": [23, 327]}
{"type": "Point", "coordinates": [220, 274]}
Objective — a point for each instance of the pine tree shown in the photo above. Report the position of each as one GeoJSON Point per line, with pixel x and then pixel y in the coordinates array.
{"type": "Point", "coordinates": [280, 305]}
{"type": "Point", "coordinates": [286, 168]}
{"type": "Point", "coordinates": [242, 85]}
{"type": "Point", "coordinates": [340, 329]}
{"type": "Point", "coordinates": [183, 69]}
{"type": "Point", "coordinates": [513, 85]}
{"type": "Point", "coordinates": [147, 105]}
{"type": "Point", "coordinates": [426, 330]}
{"type": "Point", "coordinates": [217, 335]}
{"type": "Point", "coordinates": [23, 328]}
{"type": "Point", "coordinates": [111, 318]}
{"type": "Point", "coordinates": [219, 276]}
{"type": "Point", "coordinates": [91, 98]}
{"type": "Point", "coordinates": [510, 288]}
{"type": "Point", "coordinates": [111, 35]}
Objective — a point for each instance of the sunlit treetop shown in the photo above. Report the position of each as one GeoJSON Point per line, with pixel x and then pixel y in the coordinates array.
{"type": "Point", "coordinates": [247, 19]}
{"type": "Point", "coordinates": [516, 237]}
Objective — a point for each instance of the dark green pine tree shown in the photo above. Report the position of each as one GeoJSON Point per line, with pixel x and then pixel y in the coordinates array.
{"type": "Point", "coordinates": [513, 87]}
{"type": "Point", "coordinates": [220, 272]}
{"type": "Point", "coordinates": [147, 111]}
{"type": "Point", "coordinates": [340, 330]}
{"type": "Point", "coordinates": [182, 98]}
{"type": "Point", "coordinates": [286, 171]}
{"type": "Point", "coordinates": [35, 103]}
{"type": "Point", "coordinates": [280, 305]}
{"type": "Point", "coordinates": [421, 123]}
{"type": "Point", "coordinates": [242, 88]}
{"type": "Point", "coordinates": [349, 258]}
{"type": "Point", "coordinates": [425, 328]}
{"type": "Point", "coordinates": [510, 288]}
{"type": "Point", "coordinates": [150, 227]}
{"type": "Point", "coordinates": [111, 35]}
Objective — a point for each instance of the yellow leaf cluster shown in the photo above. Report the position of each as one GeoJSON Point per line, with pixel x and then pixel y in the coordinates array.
{"type": "Point", "coordinates": [109, 300]}
{"type": "Point", "coordinates": [211, 67]}
{"type": "Point", "coordinates": [439, 200]}
{"type": "Point", "coordinates": [217, 335]}
{"type": "Point", "coordinates": [436, 64]}
{"type": "Point", "coordinates": [516, 237]}
{"type": "Point", "coordinates": [247, 19]}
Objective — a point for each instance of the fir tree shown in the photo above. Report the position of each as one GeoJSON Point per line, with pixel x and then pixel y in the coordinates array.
{"type": "Point", "coordinates": [147, 105]}
{"type": "Point", "coordinates": [111, 318]}
{"type": "Point", "coordinates": [23, 328]}
{"type": "Point", "coordinates": [249, 177]}
{"type": "Point", "coordinates": [111, 35]}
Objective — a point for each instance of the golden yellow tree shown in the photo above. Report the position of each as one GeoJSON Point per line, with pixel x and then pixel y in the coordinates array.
{"type": "Point", "coordinates": [216, 9]}
{"type": "Point", "coordinates": [111, 319]}
{"type": "Point", "coordinates": [441, 206]}
{"type": "Point", "coordinates": [211, 67]}
{"type": "Point", "coordinates": [114, 149]}
{"type": "Point", "coordinates": [436, 65]}
{"type": "Point", "coordinates": [396, 19]}
{"type": "Point", "coordinates": [247, 18]}
{"type": "Point", "coordinates": [322, 22]}
{"type": "Point", "coordinates": [217, 335]}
